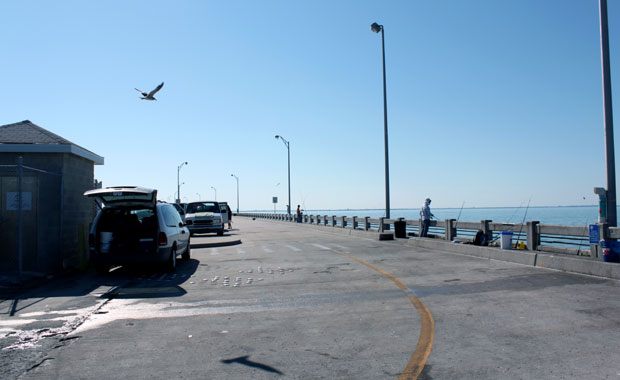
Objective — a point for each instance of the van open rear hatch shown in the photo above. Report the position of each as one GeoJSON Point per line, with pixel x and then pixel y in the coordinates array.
{"type": "Point", "coordinates": [127, 225]}
{"type": "Point", "coordinates": [124, 196]}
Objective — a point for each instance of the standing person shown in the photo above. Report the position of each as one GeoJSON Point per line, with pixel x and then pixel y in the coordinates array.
{"type": "Point", "coordinates": [229, 212]}
{"type": "Point", "coordinates": [298, 214]}
{"type": "Point", "coordinates": [426, 215]}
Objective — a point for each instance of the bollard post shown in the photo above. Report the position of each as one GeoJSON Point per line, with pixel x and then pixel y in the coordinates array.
{"type": "Point", "coordinates": [450, 229]}
{"type": "Point", "coordinates": [533, 236]}
{"type": "Point", "coordinates": [486, 229]}
{"type": "Point", "coordinates": [354, 222]}
{"type": "Point", "coordinates": [344, 221]}
{"type": "Point", "coordinates": [325, 220]}
{"type": "Point", "coordinates": [420, 226]}
{"type": "Point", "coordinates": [366, 223]}
{"type": "Point", "coordinates": [381, 224]}
{"type": "Point", "coordinates": [333, 220]}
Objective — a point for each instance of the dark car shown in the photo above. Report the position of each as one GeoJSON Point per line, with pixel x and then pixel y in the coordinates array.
{"type": "Point", "coordinates": [132, 228]}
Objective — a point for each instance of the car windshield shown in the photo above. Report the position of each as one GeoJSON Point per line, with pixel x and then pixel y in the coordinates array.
{"type": "Point", "coordinates": [193, 208]}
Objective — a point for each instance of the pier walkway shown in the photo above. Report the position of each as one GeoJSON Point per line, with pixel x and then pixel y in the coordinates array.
{"type": "Point", "coordinates": [277, 300]}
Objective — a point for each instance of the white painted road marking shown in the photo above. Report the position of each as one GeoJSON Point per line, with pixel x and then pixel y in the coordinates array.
{"type": "Point", "coordinates": [321, 246]}
{"type": "Point", "coordinates": [292, 248]}
{"type": "Point", "coordinates": [267, 250]}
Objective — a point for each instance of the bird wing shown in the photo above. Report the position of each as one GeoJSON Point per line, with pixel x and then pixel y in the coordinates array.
{"type": "Point", "coordinates": [156, 89]}
{"type": "Point", "coordinates": [140, 91]}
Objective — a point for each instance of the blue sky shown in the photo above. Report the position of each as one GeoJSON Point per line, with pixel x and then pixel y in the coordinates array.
{"type": "Point", "coordinates": [490, 102]}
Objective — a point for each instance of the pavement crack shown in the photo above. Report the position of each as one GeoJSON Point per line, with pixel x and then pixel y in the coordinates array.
{"type": "Point", "coordinates": [39, 364]}
{"type": "Point", "coordinates": [326, 354]}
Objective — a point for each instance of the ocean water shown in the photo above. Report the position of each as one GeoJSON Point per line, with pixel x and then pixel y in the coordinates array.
{"type": "Point", "coordinates": [562, 215]}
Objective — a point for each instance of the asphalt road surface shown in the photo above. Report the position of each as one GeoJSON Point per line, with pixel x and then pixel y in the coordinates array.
{"type": "Point", "coordinates": [276, 300]}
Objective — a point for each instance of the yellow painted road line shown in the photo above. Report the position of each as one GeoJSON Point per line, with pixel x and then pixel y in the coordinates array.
{"type": "Point", "coordinates": [427, 326]}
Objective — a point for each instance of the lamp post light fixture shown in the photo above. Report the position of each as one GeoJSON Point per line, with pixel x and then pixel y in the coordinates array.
{"type": "Point", "coordinates": [237, 178]}
{"type": "Point", "coordinates": [214, 192]}
{"type": "Point", "coordinates": [178, 200]}
{"type": "Point", "coordinates": [379, 28]}
{"type": "Point", "coordinates": [288, 148]}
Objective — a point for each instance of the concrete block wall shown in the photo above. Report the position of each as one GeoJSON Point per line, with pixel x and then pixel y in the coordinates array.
{"type": "Point", "coordinates": [78, 177]}
{"type": "Point", "coordinates": [51, 240]}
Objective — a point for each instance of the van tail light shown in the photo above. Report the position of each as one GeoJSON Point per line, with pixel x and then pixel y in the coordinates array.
{"type": "Point", "coordinates": [162, 239]}
{"type": "Point", "coordinates": [91, 240]}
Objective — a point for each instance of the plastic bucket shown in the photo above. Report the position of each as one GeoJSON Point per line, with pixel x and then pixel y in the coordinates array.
{"type": "Point", "coordinates": [105, 238]}
{"type": "Point", "coordinates": [506, 240]}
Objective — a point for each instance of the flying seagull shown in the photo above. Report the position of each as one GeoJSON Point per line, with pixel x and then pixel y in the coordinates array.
{"type": "Point", "coordinates": [149, 96]}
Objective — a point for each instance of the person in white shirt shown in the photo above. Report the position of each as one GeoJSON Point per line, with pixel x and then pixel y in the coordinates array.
{"type": "Point", "coordinates": [426, 215]}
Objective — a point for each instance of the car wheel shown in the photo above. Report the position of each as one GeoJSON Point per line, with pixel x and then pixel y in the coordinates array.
{"type": "Point", "coordinates": [186, 254]}
{"type": "Point", "coordinates": [220, 232]}
{"type": "Point", "coordinates": [171, 265]}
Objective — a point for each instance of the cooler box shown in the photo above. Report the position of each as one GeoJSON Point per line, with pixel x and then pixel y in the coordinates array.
{"type": "Point", "coordinates": [611, 251]}
{"type": "Point", "coordinates": [506, 240]}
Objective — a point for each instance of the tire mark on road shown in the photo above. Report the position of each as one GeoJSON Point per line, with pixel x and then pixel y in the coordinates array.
{"type": "Point", "coordinates": [427, 325]}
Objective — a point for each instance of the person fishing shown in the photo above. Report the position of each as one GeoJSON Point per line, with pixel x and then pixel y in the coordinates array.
{"type": "Point", "coordinates": [426, 215]}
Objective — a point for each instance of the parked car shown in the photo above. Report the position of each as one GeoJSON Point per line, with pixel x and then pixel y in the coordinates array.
{"type": "Point", "coordinates": [132, 228]}
{"type": "Point", "coordinates": [204, 217]}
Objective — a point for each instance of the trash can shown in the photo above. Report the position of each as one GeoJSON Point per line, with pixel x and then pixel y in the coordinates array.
{"type": "Point", "coordinates": [506, 240]}
{"type": "Point", "coordinates": [400, 229]}
{"type": "Point", "coordinates": [611, 251]}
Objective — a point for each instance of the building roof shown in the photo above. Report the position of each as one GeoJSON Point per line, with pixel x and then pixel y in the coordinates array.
{"type": "Point", "coordinates": [26, 136]}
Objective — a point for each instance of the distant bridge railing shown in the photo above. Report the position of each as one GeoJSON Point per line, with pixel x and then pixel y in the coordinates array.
{"type": "Point", "coordinates": [572, 240]}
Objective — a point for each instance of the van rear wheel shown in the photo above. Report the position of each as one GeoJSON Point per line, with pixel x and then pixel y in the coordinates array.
{"type": "Point", "coordinates": [171, 265]}
{"type": "Point", "coordinates": [186, 254]}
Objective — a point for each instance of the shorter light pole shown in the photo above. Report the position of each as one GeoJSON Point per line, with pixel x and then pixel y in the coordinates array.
{"type": "Point", "coordinates": [214, 192]}
{"type": "Point", "coordinates": [178, 200]}
{"type": "Point", "coordinates": [178, 182]}
{"type": "Point", "coordinates": [237, 178]}
{"type": "Point", "coordinates": [198, 196]}
{"type": "Point", "coordinates": [288, 148]}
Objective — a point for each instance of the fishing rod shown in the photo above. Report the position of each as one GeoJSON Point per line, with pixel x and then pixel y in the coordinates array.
{"type": "Point", "coordinates": [512, 216]}
{"type": "Point", "coordinates": [521, 228]}
{"type": "Point", "coordinates": [459, 217]}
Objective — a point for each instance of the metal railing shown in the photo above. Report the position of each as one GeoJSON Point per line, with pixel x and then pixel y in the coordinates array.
{"type": "Point", "coordinates": [573, 240]}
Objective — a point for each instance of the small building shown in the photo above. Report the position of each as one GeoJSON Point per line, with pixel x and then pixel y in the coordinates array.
{"type": "Point", "coordinates": [54, 217]}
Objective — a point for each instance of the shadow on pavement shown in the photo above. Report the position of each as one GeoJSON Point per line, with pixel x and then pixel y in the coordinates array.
{"type": "Point", "coordinates": [216, 244]}
{"type": "Point", "coordinates": [128, 283]}
{"type": "Point", "coordinates": [245, 361]}
{"type": "Point", "coordinates": [120, 282]}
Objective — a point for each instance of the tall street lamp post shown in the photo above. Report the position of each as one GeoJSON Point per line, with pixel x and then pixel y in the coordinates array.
{"type": "Point", "coordinates": [288, 148]}
{"type": "Point", "coordinates": [179, 182]}
{"type": "Point", "coordinates": [379, 28]}
{"type": "Point", "coordinates": [237, 178]}
{"type": "Point", "coordinates": [214, 192]}
{"type": "Point", "coordinates": [609, 119]}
